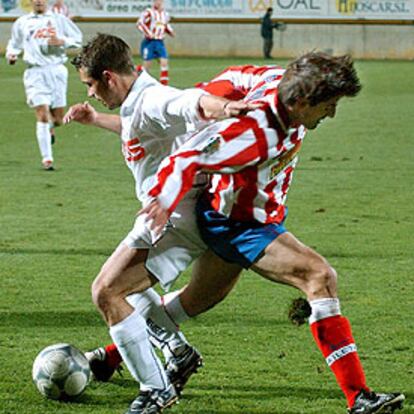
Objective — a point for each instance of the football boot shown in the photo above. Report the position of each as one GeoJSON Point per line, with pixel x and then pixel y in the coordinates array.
{"type": "Point", "coordinates": [369, 402]}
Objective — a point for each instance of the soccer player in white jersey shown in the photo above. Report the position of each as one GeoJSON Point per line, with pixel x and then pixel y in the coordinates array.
{"type": "Point", "coordinates": [251, 160]}
{"type": "Point", "coordinates": [154, 23]}
{"type": "Point", "coordinates": [233, 83]}
{"type": "Point", "coordinates": [152, 115]}
{"type": "Point", "coordinates": [43, 37]}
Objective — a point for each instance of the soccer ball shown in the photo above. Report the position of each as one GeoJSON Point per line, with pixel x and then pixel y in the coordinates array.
{"type": "Point", "coordinates": [61, 371]}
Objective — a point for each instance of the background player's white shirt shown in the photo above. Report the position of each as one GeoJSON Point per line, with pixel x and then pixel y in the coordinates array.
{"type": "Point", "coordinates": [153, 118]}
{"type": "Point", "coordinates": [30, 33]}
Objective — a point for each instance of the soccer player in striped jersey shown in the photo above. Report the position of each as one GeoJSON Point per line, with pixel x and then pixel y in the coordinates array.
{"type": "Point", "coordinates": [154, 23]}
{"type": "Point", "coordinates": [233, 83]}
{"type": "Point", "coordinates": [152, 115]}
{"type": "Point", "coordinates": [241, 214]}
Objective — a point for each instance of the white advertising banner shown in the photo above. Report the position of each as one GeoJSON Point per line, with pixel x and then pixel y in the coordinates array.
{"type": "Point", "coordinates": [306, 9]}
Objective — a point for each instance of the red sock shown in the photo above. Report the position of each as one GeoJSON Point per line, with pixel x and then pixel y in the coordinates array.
{"type": "Point", "coordinates": [164, 77]}
{"type": "Point", "coordinates": [333, 336]}
{"type": "Point", "coordinates": [113, 356]}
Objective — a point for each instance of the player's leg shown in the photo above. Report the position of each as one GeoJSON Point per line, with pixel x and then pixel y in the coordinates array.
{"type": "Point", "coordinates": [164, 75]}
{"type": "Point", "coordinates": [122, 274]}
{"type": "Point", "coordinates": [287, 260]}
{"type": "Point", "coordinates": [43, 136]}
{"type": "Point", "coordinates": [280, 257]}
{"type": "Point", "coordinates": [147, 54]}
{"type": "Point", "coordinates": [58, 105]}
{"type": "Point", "coordinates": [267, 47]}
{"type": "Point", "coordinates": [38, 87]}
{"type": "Point", "coordinates": [56, 120]}
{"type": "Point", "coordinates": [211, 281]}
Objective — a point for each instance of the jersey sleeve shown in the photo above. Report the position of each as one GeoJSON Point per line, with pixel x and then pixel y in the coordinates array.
{"type": "Point", "coordinates": [225, 147]}
{"type": "Point", "coordinates": [236, 82]}
{"type": "Point", "coordinates": [15, 44]}
{"type": "Point", "coordinates": [71, 34]}
{"type": "Point", "coordinates": [144, 22]}
{"type": "Point", "coordinates": [168, 27]}
{"type": "Point", "coordinates": [172, 106]}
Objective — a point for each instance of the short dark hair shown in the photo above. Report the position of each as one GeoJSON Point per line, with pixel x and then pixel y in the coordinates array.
{"type": "Point", "coordinates": [105, 52]}
{"type": "Point", "coordinates": [319, 77]}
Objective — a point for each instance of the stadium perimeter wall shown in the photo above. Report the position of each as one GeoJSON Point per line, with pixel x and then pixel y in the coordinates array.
{"type": "Point", "coordinates": [366, 41]}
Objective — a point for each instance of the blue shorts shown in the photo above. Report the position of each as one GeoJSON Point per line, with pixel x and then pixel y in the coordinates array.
{"type": "Point", "coordinates": [153, 49]}
{"type": "Point", "coordinates": [234, 241]}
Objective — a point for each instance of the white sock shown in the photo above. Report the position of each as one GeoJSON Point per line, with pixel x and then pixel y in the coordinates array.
{"type": "Point", "coordinates": [43, 139]}
{"type": "Point", "coordinates": [149, 304]}
{"type": "Point", "coordinates": [163, 333]}
{"type": "Point", "coordinates": [131, 337]}
{"type": "Point", "coordinates": [324, 308]}
{"type": "Point", "coordinates": [174, 308]}
{"type": "Point", "coordinates": [171, 344]}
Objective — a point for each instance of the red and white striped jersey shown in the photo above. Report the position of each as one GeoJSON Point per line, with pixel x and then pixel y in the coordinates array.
{"type": "Point", "coordinates": [60, 9]}
{"type": "Point", "coordinates": [251, 160]}
{"type": "Point", "coordinates": [236, 82]}
{"type": "Point", "coordinates": [154, 23]}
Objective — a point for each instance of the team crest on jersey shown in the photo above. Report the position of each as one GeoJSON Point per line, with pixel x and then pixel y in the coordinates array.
{"type": "Point", "coordinates": [212, 145]}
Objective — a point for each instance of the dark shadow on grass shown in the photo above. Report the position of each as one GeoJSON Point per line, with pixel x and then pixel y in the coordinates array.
{"type": "Point", "coordinates": [266, 392]}
{"type": "Point", "coordinates": [354, 255]}
{"type": "Point", "coordinates": [59, 252]}
{"type": "Point", "coordinates": [244, 395]}
{"type": "Point", "coordinates": [50, 319]}
{"type": "Point", "coordinates": [223, 320]}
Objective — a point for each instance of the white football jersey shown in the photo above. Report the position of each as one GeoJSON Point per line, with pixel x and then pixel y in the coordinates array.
{"type": "Point", "coordinates": [154, 117]}
{"type": "Point", "coordinates": [31, 32]}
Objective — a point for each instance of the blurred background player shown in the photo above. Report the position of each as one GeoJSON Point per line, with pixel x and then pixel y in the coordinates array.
{"type": "Point", "coordinates": [266, 31]}
{"type": "Point", "coordinates": [154, 23]}
{"type": "Point", "coordinates": [43, 37]}
{"type": "Point", "coordinates": [61, 8]}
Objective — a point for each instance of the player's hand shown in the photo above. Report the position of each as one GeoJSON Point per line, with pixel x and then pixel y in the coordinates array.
{"type": "Point", "coordinates": [55, 41]}
{"type": "Point", "coordinates": [236, 108]}
{"type": "Point", "coordinates": [11, 59]}
{"type": "Point", "coordinates": [83, 113]}
{"type": "Point", "coordinates": [157, 215]}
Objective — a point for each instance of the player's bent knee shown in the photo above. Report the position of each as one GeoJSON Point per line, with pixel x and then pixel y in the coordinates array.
{"type": "Point", "coordinates": [322, 281]}
{"type": "Point", "coordinates": [102, 294]}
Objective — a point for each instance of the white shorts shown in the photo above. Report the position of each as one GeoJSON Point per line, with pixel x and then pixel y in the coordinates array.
{"type": "Point", "coordinates": [46, 85]}
{"type": "Point", "coordinates": [176, 249]}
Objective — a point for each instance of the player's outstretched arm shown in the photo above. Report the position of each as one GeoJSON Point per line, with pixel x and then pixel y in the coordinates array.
{"type": "Point", "coordinates": [214, 107]}
{"type": "Point", "coordinates": [86, 114]}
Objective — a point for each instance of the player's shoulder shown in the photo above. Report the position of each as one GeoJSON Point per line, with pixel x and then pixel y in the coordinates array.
{"type": "Point", "coordinates": [24, 18]}
{"type": "Point", "coordinates": [58, 16]}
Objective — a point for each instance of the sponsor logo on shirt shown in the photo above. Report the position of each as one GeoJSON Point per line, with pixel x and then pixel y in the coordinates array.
{"type": "Point", "coordinates": [133, 150]}
{"type": "Point", "coordinates": [284, 160]}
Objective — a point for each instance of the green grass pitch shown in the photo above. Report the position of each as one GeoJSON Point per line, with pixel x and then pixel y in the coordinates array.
{"type": "Point", "coordinates": [351, 199]}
